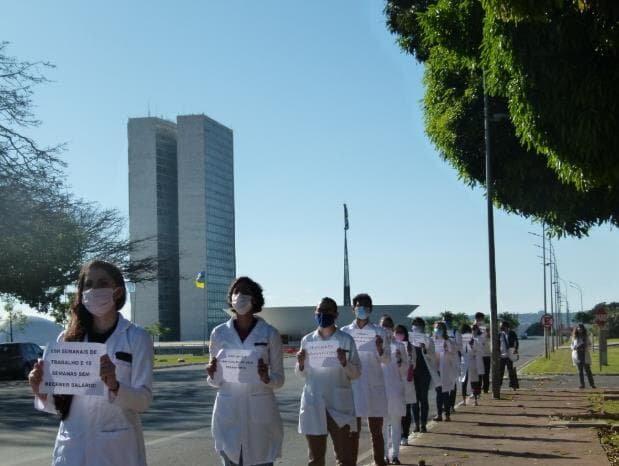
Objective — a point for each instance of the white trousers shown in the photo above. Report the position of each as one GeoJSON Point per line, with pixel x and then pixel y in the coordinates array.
{"type": "Point", "coordinates": [392, 434]}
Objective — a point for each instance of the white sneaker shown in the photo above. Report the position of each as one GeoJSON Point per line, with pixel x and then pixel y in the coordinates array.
{"type": "Point", "coordinates": [404, 442]}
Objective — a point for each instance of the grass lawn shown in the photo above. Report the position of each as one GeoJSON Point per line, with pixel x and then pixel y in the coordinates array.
{"type": "Point", "coordinates": [167, 359]}
{"type": "Point", "coordinates": [560, 362]}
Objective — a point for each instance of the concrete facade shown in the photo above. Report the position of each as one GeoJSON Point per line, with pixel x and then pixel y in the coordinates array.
{"type": "Point", "coordinates": [206, 219]}
{"type": "Point", "coordinates": [181, 204]}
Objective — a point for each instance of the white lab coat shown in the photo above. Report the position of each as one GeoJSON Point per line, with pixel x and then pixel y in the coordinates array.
{"type": "Point", "coordinates": [106, 430]}
{"type": "Point", "coordinates": [484, 342]}
{"type": "Point", "coordinates": [395, 379]}
{"type": "Point", "coordinates": [574, 345]}
{"type": "Point", "coordinates": [472, 362]}
{"type": "Point", "coordinates": [447, 368]}
{"type": "Point", "coordinates": [328, 389]}
{"type": "Point", "coordinates": [369, 389]}
{"type": "Point", "coordinates": [246, 416]}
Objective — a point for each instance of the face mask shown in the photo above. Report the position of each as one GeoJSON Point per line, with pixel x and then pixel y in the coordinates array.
{"type": "Point", "coordinates": [98, 301]}
{"type": "Point", "coordinates": [436, 332]}
{"type": "Point", "coordinates": [241, 303]}
{"type": "Point", "coordinates": [417, 329]}
{"type": "Point", "coordinates": [324, 320]}
{"type": "Point", "coordinates": [399, 337]}
{"type": "Point", "coordinates": [362, 313]}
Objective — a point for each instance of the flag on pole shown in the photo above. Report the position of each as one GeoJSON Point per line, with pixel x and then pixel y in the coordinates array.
{"type": "Point", "coordinates": [199, 281]}
{"type": "Point", "coordinates": [345, 217]}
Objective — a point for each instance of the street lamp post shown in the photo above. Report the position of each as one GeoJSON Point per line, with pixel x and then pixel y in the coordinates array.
{"type": "Point", "coordinates": [494, 330]}
{"type": "Point", "coordinates": [575, 285]}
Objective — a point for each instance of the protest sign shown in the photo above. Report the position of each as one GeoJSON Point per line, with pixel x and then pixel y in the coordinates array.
{"type": "Point", "coordinates": [322, 354]}
{"type": "Point", "coordinates": [466, 338]}
{"type": "Point", "coordinates": [365, 340]}
{"type": "Point", "coordinates": [417, 338]}
{"type": "Point", "coordinates": [238, 366]}
{"type": "Point", "coordinates": [72, 368]}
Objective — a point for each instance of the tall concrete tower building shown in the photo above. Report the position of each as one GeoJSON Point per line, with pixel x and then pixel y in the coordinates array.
{"type": "Point", "coordinates": [181, 201]}
{"type": "Point", "coordinates": [206, 221]}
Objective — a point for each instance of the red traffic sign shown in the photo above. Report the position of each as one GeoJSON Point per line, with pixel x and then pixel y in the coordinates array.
{"type": "Point", "coordinates": [547, 320]}
{"type": "Point", "coordinates": [601, 316]}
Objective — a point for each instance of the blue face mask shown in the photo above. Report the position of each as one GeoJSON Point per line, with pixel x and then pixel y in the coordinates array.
{"type": "Point", "coordinates": [362, 313]}
{"type": "Point", "coordinates": [324, 320]}
{"type": "Point", "coordinates": [436, 331]}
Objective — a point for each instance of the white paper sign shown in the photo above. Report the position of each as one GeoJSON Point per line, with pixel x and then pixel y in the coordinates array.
{"type": "Point", "coordinates": [322, 354]}
{"type": "Point", "coordinates": [417, 338]}
{"type": "Point", "coordinates": [439, 345]}
{"type": "Point", "coordinates": [238, 366]}
{"type": "Point", "coordinates": [72, 368]}
{"type": "Point", "coordinates": [466, 338]}
{"type": "Point", "coordinates": [365, 340]}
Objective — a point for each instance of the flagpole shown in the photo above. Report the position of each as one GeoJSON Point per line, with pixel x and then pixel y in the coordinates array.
{"type": "Point", "coordinates": [346, 276]}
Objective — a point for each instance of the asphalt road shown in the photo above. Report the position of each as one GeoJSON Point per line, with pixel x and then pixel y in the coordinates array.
{"type": "Point", "coordinates": [176, 427]}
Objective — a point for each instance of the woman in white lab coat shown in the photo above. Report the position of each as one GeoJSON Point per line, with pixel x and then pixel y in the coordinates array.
{"type": "Point", "coordinates": [246, 425]}
{"type": "Point", "coordinates": [472, 367]}
{"type": "Point", "coordinates": [395, 373]}
{"type": "Point", "coordinates": [401, 335]}
{"type": "Point", "coordinates": [425, 372]}
{"type": "Point", "coordinates": [445, 351]}
{"type": "Point", "coordinates": [103, 430]}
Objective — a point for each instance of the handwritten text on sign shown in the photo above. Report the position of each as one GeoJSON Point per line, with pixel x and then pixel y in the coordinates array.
{"type": "Point", "coordinates": [365, 340]}
{"type": "Point", "coordinates": [417, 338]}
{"type": "Point", "coordinates": [238, 366]}
{"type": "Point", "coordinates": [72, 368]}
{"type": "Point", "coordinates": [322, 353]}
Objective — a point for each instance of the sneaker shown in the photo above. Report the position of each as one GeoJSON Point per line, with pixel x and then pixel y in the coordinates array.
{"type": "Point", "coordinates": [416, 429]}
{"type": "Point", "coordinates": [404, 442]}
{"type": "Point", "coordinates": [476, 403]}
{"type": "Point", "coordinates": [447, 418]}
{"type": "Point", "coordinates": [395, 460]}
{"type": "Point", "coordinates": [581, 387]}
{"type": "Point", "coordinates": [423, 429]}
{"type": "Point", "coordinates": [437, 418]}
{"type": "Point", "coordinates": [387, 460]}
{"type": "Point", "coordinates": [593, 386]}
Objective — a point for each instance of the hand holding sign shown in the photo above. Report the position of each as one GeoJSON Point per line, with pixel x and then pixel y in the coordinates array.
{"type": "Point", "coordinates": [322, 354]}
{"type": "Point", "coordinates": [238, 366]}
{"type": "Point", "coordinates": [74, 368]}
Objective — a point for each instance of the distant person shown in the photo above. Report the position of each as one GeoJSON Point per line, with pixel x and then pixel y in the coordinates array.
{"type": "Point", "coordinates": [410, 397]}
{"type": "Point", "coordinates": [327, 405]}
{"type": "Point", "coordinates": [395, 373]}
{"type": "Point", "coordinates": [484, 341]}
{"type": "Point", "coordinates": [369, 389]}
{"type": "Point", "coordinates": [246, 425]}
{"type": "Point", "coordinates": [444, 351]}
{"type": "Point", "coordinates": [472, 363]}
{"type": "Point", "coordinates": [425, 372]}
{"type": "Point", "coordinates": [456, 337]}
{"type": "Point", "coordinates": [103, 430]}
{"type": "Point", "coordinates": [508, 356]}
{"type": "Point", "coordinates": [580, 354]}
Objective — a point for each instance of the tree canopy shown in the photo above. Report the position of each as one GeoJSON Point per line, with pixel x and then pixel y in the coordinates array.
{"type": "Point", "coordinates": [551, 68]}
{"type": "Point", "coordinates": [46, 233]}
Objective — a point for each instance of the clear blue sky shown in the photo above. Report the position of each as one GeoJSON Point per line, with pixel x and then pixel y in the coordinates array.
{"type": "Point", "coordinates": [325, 110]}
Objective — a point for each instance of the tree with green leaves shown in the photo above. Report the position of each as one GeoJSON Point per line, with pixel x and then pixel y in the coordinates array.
{"type": "Point", "coordinates": [157, 330]}
{"type": "Point", "coordinates": [46, 234]}
{"type": "Point", "coordinates": [511, 319]}
{"type": "Point", "coordinates": [551, 70]}
{"type": "Point", "coordinates": [14, 320]}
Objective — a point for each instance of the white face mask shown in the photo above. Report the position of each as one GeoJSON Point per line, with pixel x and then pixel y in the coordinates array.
{"type": "Point", "coordinates": [241, 303]}
{"type": "Point", "coordinates": [98, 301]}
{"type": "Point", "coordinates": [417, 329]}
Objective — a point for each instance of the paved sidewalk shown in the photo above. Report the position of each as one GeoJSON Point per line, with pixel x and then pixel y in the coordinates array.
{"type": "Point", "coordinates": [526, 427]}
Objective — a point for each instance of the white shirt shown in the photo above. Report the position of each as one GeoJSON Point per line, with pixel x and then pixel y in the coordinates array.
{"type": "Point", "coordinates": [328, 389]}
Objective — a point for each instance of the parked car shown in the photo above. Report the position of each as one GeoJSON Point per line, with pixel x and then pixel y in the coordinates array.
{"type": "Point", "coordinates": [17, 359]}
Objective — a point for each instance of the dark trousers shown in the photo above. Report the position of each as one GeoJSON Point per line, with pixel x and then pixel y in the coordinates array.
{"type": "Point", "coordinates": [485, 379]}
{"type": "Point", "coordinates": [511, 372]}
{"type": "Point", "coordinates": [421, 407]}
{"type": "Point", "coordinates": [452, 397]}
{"type": "Point", "coordinates": [406, 421]}
{"type": "Point", "coordinates": [317, 445]}
{"type": "Point", "coordinates": [464, 384]}
{"type": "Point", "coordinates": [582, 367]}
{"type": "Point", "coordinates": [442, 402]}
{"type": "Point", "coordinates": [375, 425]}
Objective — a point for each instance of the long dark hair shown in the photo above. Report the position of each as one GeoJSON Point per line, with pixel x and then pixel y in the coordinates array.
{"type": "Point", "coordinates": [80, 322]}
{"type": "Point", "coordinates": [580, 331]}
